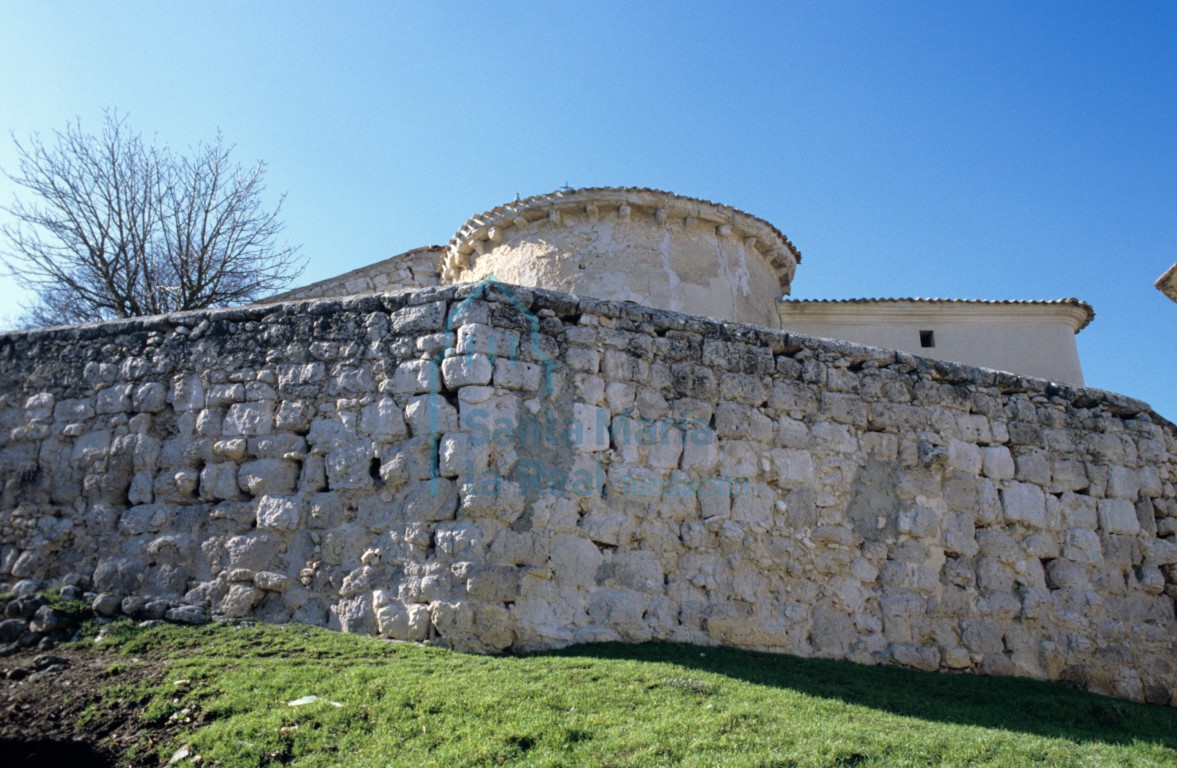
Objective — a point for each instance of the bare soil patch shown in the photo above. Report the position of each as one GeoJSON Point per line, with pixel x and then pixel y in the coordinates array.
{"type": "Point", "coordinates": [53, 711]}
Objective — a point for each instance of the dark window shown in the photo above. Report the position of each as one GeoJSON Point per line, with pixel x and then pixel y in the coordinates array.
{"type": "Point", "coordinates": [927, 339]}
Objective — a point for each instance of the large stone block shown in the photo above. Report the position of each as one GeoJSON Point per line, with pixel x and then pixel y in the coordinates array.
{"type": "Point", "coordinates": [1123, 483]}
{"type": "Point", "coordinates": [428, 500]}
{"type": "Point", "coordinates": [350, 465]}
{"type": "Point", "coordinates": [187, 392]}
{"type": "Point", "coordinates": [300, 379]}
{"type": "Point", "coordinates": [418, 319]}
{"type": "Point", "coordinates": [488, 340]}
{"type": "Point", "coordinates": [268, 476]}
{"type": "Point", "coordinates": [120, 575]}
{"type": "Point", "coordinates": [1024, 503]}
{"type": "Point", "coordinates": [218, 481]}
{"type": "Point", "coordinates": [1082, 546]}
{"type": "Point", "coordinates": [240, 600]}
{"type": "Point", "coordinates": [1118, 516]}
{"type": "Point", "coordinates": [495, 584]}
{"type": "Point", "coordinates": [520, 375]}
{"type": "Point", "coordinates": [466, 369]}
{"type": "Point", "coordinates": [590, 428]}
{"type": "Point", "coordinates": [282, 513]}
{"type": "Point", "coordinates": [997, 462]}
{"type": "Point", "coordinates": [249, 419]}
{"type": "Point", "coordinates": [414, 377]}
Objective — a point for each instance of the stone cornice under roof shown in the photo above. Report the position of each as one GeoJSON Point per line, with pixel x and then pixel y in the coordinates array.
{"type": "Point", "coordinates": [1167, 283]}
{"type": "Point", "coordinates": [489, 225]}
{"type": "Point", "coordinates": [1081, 311]}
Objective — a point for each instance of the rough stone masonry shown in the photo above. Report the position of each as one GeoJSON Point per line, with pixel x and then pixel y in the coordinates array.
{"type": "Point", "coordinates": [500, 468]}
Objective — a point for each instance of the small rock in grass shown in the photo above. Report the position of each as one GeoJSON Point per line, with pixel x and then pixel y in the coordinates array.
{"type": "Point", "coordinates": [156, 609]}
{"type": "Point", "coordinates": [187, 614]}
{"type": "Point", "coordinates": [25, 607]}
{"type": "Point", "coordinates": [12, 629]}
{"type": "Point", "coordinates": [47, 660]}
{"type": "Point", "coordinates": [71, 593]}
{"type": "Point", "coordinates": [47, 620]}
{"type": "Point", "coordinates": [26, 588]}
{"type": "Point", "coordinates": [106, 604]}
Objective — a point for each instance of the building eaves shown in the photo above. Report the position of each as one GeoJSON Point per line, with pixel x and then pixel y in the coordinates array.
{"type": "Point", "coordinates": [477, 226]}
{"type": "Point", "coordinates": [1083, 306]}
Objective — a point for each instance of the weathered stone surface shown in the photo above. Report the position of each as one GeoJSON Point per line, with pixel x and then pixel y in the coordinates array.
{"type": "Point", "coordinates": [240, 600]}
{"type": "Point", "coordinates": [47, 620]}
{"type": "Point", "coordinates": [416, 376]}
{"type": "Point", "coordinates": [466, 369]}
{"type": "Point", "coordinates": [1025, 503]}
{"type": "Point", "coordinates": [118, 574]}
{"type": "Point", "coordinates": [106, 605]}
{"type": "Point", "coordinates": [607, 472]}
{"type": "Point", "coordinates": [1082, 546]}
{"type": "Point", "coordinates": [419, 319]}
{"type": "Point", "coordinates": [267, 476]}
{"type": "Point", "coordinates": [218, 481]}
{"type": "Point", "coordinates": [249, 419]}
{"type": "Point", "coordinates": [187, 614]}
{"type": "Point", "coordinates": [383, 420]}
{"type": "Point", "coordinates": [997, 462]}
{"type": "Point", "coordinates": [349, 466]}
{"type": "Point", "coordinates": [1118, 516]}
{"type": "Point", "coordinates": [283, 513]}
{"type": "Point", "coordinates": [12, 629]}
{"type": "Point", "coordinates": [519, 375]}
{"type": "Point", "coordinates": [398, 621]}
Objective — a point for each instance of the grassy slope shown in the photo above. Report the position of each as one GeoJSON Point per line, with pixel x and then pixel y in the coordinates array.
{"type": "Point", "coordinates": [612, 705]}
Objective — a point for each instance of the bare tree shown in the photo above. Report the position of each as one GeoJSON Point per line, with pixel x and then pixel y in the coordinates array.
{"type": "Point", "coordinates": [121, 228]}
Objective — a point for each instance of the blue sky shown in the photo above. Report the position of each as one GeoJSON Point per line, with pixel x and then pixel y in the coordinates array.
{"type": "Point", "coordinates": [980, 150]}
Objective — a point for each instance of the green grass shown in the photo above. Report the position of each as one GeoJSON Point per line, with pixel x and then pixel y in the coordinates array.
{"type": "Point", "coordinates": [611, 705]}
{"type": "Point", "coordinates": [75, 610]}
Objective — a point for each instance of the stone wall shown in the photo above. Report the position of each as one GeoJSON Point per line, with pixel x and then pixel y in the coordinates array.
{"type": "Point", "coordinates": [497, 468]}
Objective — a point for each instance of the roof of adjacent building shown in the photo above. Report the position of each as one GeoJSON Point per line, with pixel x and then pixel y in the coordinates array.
{"type": "Point", "coordinates": [1167, 283]}
{"type": "Point", "coordinates": [1088, 314]}
{"type": "Point", "coordinates": [338, 284]}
